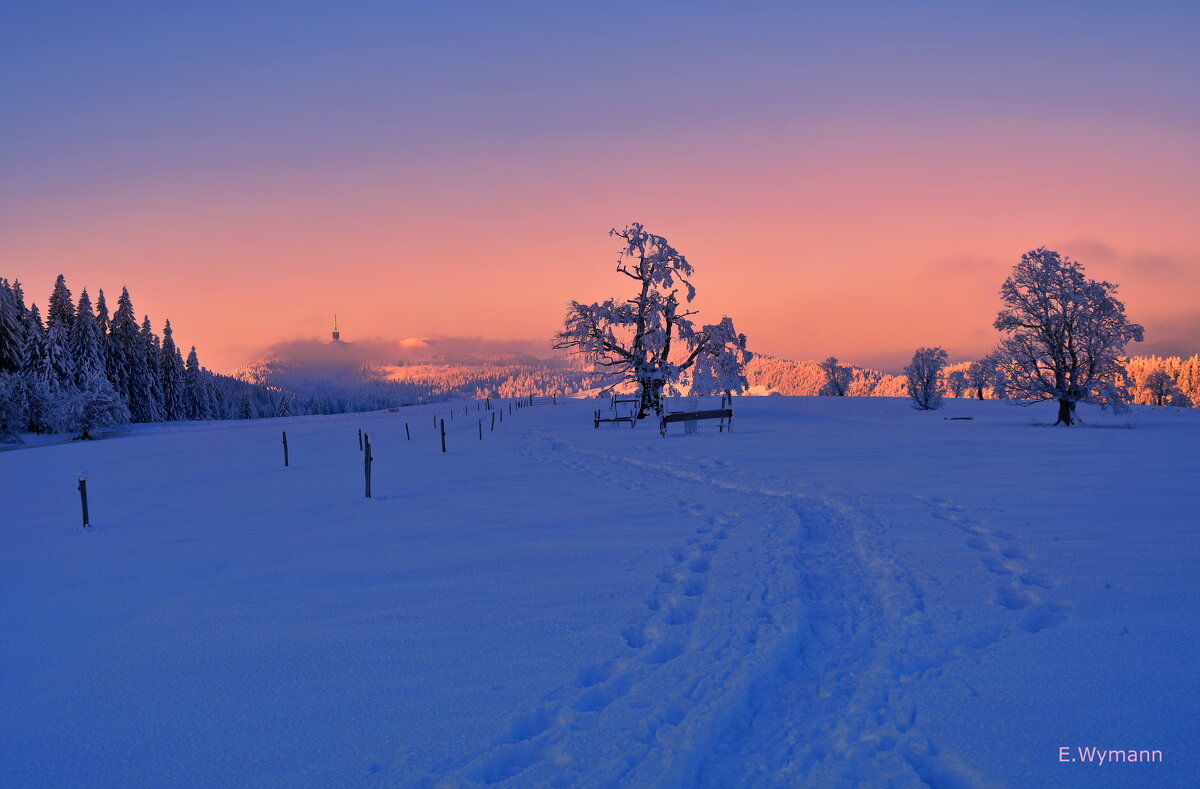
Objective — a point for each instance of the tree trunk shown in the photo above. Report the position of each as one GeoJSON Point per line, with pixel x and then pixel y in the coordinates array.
{"type": "Point", "coordinates": [651, 398]}
{"type": "Point", "coordinates": [1065, 411]}
{"type": "Point", "coordinates": [979, 392]}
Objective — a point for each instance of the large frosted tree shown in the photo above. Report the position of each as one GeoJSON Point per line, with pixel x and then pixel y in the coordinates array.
{"type": "Point", "coordinates": [650, 339]}
{"type": "Point", "coordinates": [1063, 335]}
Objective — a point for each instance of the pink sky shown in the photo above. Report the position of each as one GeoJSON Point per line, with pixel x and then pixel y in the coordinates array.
{"type": "Point", "coordinates": [833, 205]}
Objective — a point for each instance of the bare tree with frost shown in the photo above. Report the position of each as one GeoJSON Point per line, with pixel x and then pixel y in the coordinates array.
{"type": "Point", "coordinates": [650, 339]}
{"type": "Point", "coordinates": [923, 377]}
{"type": "Point", "coordinates": [837, 378]}
{"type": "Point", "coordinates": [1063, 335]}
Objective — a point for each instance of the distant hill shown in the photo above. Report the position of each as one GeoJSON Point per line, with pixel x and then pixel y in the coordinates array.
{"type": "Point", "coordinates": [336, 377]}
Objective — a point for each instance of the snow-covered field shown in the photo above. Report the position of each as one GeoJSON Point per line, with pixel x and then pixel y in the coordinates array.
{"type": "Point", "coordinates": [842, 592]}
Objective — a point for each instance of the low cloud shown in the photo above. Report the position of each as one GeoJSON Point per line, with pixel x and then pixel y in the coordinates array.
{"type": "Point", "coordinates": [320, 353]}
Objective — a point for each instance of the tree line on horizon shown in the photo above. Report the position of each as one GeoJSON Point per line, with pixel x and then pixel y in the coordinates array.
{"type": "Point", "coordinates": [1062, 338]}
{"type": "Point", "coordinates": [81, 368]}
{"type": "Point", "coordinates": [1152, 380]}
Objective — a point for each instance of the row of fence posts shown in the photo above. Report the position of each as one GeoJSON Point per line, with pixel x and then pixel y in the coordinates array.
{"type": "Point", "coordinates": [364, 446]}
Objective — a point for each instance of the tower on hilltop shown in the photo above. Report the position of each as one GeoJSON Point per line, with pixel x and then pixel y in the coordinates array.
{"type": "Point", "coordinates": [337, 335]}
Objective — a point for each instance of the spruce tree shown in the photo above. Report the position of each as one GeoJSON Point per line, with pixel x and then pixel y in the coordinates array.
{"type": "Point", "coordinates": [102, 318]}
{"type": "Point", "coordinates": [152, 349]}
{"type": "Point", "coordinates": [196, 404]}
{"type": "Point", "coordinates": [60, 308]}
{"type": "Point", "coordinates": [245, 407]}
{"type": "Point", "coordinates": [127, 361]}
{"type": "Point", "coordinates": [86, 341]}
{"type": "Point", "coordinates": [170, 376]}
{"type": "Point", "coordinates": [12, 330]}
{"type": "Point", "coordinates": [39, 381]}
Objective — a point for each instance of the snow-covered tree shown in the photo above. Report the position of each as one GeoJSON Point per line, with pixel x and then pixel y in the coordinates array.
{"type": "Point", "coordinates": [923, 376]}
{"type": "Point", "coordinates": [196, 401]}
{"type": "Point", "coordinates": [43, 392]}
{"type": "Point", "coordinates": [103, 320]}
{"type": "Point", "coordinates": [94, 403]}
{"type": "Point", "coordinates": [245, 407]}
{"type": "Point", "coordinates": [720, 366]}
{"type": "Point", "coordinates": [956, 383]}
{"type": "Point", "coordinates": [13, 417]}
{"type": "Point", "coordinates": [60, 309]}
{"type": "Point", "coordinates": [170, 376]}
{"type": "Point", "coordinates": [1162, 387]}
{"type": "Point", "coordinates": [837, 378]}
{"type": "Point", "coordinates": [648, 339]}
{"type": "Point", "coordinates": [152, 349]}
{"type": "Point", "coordinates": [284, 406]}
{"type": "Point", "coordinates": [1063, 335]}
{"type": "Point", "coordinates": [980, 374]}
{"type": "Point", "coordinates": [12, 329]}
{"type": "Point", "coordinates": [87, 341]}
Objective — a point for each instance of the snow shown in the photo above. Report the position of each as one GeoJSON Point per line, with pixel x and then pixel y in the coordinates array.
{"type": "Point", "coordinates": [841, 592]}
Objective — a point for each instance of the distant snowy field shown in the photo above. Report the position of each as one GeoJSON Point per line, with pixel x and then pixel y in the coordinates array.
{"type": "Point", "coordinates": [842, 592]}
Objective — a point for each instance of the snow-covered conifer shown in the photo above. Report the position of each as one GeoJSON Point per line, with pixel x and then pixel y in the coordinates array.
{"type": "Point", "coordinates": [923, 377]}
{"type": "Point", "coordinates": [195, 398]}
{"type": "Point", "coordinates": [245, 407]}
{"type": "Point", "coordinates": [87, 344]}
{"type": "Point", "coordinates": [102, 317]}
{"type": "Point", "coordinates": [284, 407]}
{"type": "Point", "coordinates": [12, 330]}
{"type": "Point", "coordinates": [170, 376]}
{"type": "Point", "coordinates": [152, 350]}
{"type": "Point", "coordinates": [60, 308]}
{"type": "Point", "coordinates": [1063, 335]}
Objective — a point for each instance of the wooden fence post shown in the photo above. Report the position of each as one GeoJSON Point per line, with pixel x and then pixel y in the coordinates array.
{"type": "Point", "coordinates": [360, 446]}
{"type": "Point", "coordinates": [367, 462]}
{"type": "Point", "coordinates": [443, 435]}
{"type": "Point", "coordinates": [83, 498]}
{"type": "Point", "coordinates": [480, 429]}
{"type": "Point", "coordinates": [285, 451]}
{"type": "Point", "coordinates": [493, 430]}
{"type": "Point", "coordinates": [407, 434]}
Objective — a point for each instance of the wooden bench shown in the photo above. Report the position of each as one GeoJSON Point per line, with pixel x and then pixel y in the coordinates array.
{"type": "Point", "coordinates": [694, 416]}
{"type": "Point", "coordinates": [631, 419]}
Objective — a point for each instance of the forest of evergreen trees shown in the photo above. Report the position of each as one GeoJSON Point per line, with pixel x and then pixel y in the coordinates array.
{"type": "Point", "coordinates": [80, 368]}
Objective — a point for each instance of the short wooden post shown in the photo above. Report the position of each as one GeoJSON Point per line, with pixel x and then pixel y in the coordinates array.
{"type": "Point", "coordinates": [360, 446]}
{"type": "Point", "coordinates": [367, 462]}
{"type": "Point", "coordinates": [443, 435]}
{"type": "Point", "coordinates": [451, 415]}
{"type": "Point", "coordinates": [501, 414]}
{"type": "Point", "coordinates": [480, 429]}
{"type": "Point", "coordinates": [285, 452]}
{"type": "Point", "coordinates": [493, 430]}
{"type": "Point", "coordinates": [83, 498]}
{"type": "Point", "coordinates": [407, 434]}
{"type": "Point", "coordinates": [435, 420]}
